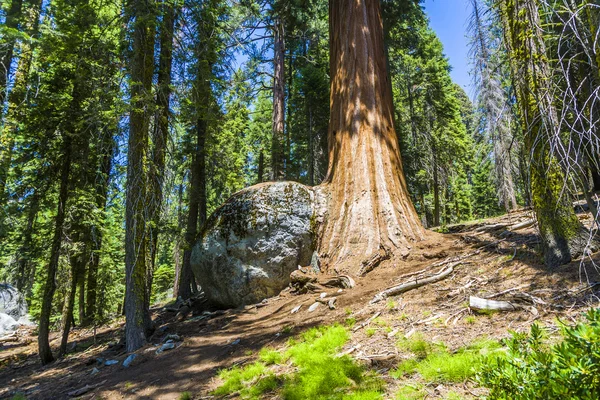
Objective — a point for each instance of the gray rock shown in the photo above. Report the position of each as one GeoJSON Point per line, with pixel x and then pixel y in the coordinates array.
{"type": "Point", "coordinates": [249, 246]}
{"type": "Point", "coordinates": [129, 360]}
{"type": "Point", "coordinates": [13, 309]}
{"type": "Point", "coordinates": [167, 346]}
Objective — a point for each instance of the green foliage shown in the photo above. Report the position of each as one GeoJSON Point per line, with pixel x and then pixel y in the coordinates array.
{"type": "Point", "coordinates": [321, 374]}
{"type": "Point", "coordinates": [270, 356]}
{"type": "Point", "coordinates": [484, 191]}
{"type": "Point", "coordinates": [416, 344]}
{"type": "Point", "coordinates": [250, 381]}
{"type": "Point", "coordinates": [434, 363]}
{"type": "Point", "coordinates": [534, 369]}
{"type": "Point", "coordinates": [185, 396]}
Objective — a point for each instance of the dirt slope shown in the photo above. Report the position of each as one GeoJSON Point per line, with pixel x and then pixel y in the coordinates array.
{"type": "Point", "coordinates": [492, 260]}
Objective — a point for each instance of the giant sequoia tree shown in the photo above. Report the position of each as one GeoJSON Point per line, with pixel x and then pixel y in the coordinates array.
{"type": "Point", "coordinates": [369, 210]}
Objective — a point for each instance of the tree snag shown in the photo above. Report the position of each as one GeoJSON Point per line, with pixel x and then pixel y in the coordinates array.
{"type": "Point", "coordinates": [368, 204]}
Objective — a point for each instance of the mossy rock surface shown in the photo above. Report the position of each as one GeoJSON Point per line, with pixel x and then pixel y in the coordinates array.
{"type": "Point", "coordinates": [249, 246]}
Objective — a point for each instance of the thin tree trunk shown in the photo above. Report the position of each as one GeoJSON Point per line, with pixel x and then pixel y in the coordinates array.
{"type": "Point", "coordinates": [160, 136]}
{"type": "Point", "coordinates": [96, 231]}
{"type": "Point", "coordinates": [13, 16]}
{"type": "Point", "coordinates": [67, 317]}
{"type": "Point", "coordinates": [197, 208]}
{"type": "Point", "coordinates": [24, 267]}
{"type": "Point", "coordinates": [138, 322]}
{"type": "Point", "coordinates": [81, 292]}
{"type": "Point", "coordinates": [178, 245]}
{"type": "Point", "coordinates": [287, 158]}
{"type": "Point", "coordinates": [311, 146]}
{"type": "Point", "coordinates": [369, 207]}
{"type": "Point", "coordinates": [261, 166]}
{"type": "Point", "coordinates": [278, 122]}
{"type": "Point", "coordinates": [44, 350]}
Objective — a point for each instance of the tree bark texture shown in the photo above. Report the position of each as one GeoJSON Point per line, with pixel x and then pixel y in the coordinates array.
{"type": "Point", "coordinates": [278, 123]}
{"type": "Point", "coordinates": [368, 203]}
{"type": "Point", "coordinates": [563, 236]}
{"type": "Point", "coordinates": [138, 320]}
{"type": "Point", "coordinates": [44, 350]}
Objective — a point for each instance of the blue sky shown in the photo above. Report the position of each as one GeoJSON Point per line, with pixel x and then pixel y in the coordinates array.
{"type": "Point", "coordinates": [448, 18]}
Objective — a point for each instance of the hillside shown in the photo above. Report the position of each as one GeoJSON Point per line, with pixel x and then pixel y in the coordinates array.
{"type": "Point", "coordinates": [488, 260]}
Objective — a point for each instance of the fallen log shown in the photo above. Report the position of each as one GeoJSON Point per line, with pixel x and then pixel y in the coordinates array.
{"type": "Point", "coordinates": [487, 228]}
{"type": "Point", "coordinates": [405, 287]}
{"type": "Point", "coordinates": [522, 225]}
{"type": "Point", "coordinates": [479, 304]}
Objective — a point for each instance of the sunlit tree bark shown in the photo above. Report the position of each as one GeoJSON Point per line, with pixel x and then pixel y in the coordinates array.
{"type": "Point", "coordinates": [370, 212]}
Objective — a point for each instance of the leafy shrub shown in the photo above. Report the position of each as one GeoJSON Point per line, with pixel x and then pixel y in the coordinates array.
{"type": "Point", "coordinates": [532, 369]}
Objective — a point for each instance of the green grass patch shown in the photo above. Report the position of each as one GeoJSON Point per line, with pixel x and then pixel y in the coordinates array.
{"type": "Point", "coordinates": [410, 392]}
{"type": "Point", "coordinates": [270, 356]}
{"type": "Point", "coordinates": [251, 381]}
{"type": "Point", "coordinates": [416, 344]}
{"type": "Point", "coordinates": [434, 363]}
{"type": "Point", "coordinates": [185, 396]}
{"type": "Point", "coordinates": [320, 373]}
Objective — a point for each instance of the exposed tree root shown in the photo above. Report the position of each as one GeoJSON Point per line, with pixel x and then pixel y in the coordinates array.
{"type": "Point", "coordinates": [376, 259]}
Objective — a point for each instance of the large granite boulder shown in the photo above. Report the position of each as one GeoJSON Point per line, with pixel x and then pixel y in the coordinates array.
{"type": "Point", "coordinates": [249, 246]}
{"type": "Point", "coordinates": [13, 309]}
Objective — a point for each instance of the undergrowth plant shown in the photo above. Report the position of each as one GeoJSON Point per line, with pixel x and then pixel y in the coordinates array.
{"type": "Point", "coordinates": [319, 372]}
{"type": "Point", "coordinates": [533, 369]}
{"type": "Point", "coordinates": [434, 363]}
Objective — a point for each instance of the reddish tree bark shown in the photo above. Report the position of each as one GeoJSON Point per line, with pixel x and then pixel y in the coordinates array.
{"type": "Point", "coordinates": [369, 209]}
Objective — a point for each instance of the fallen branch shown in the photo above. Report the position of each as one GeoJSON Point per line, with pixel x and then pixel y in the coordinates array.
{"type": "Point", "coordinates": [505, 291]}
{"type": "Point", "coordinates": [405, 287]}
{"type": "Point", "coordinates": [454, 315]}
{"type": "Point", "coordinates": [85, 389]}
{"type": "Point", "coordinates": [479, 304]}
{"type": "Point", "coordinates": [367, 322]}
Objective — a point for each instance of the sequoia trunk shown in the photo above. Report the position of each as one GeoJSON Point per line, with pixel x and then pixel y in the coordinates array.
{"type": "Point", "coordinates": [368, 203]}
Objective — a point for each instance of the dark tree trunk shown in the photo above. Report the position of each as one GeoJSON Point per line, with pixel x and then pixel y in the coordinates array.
{"type": "Point", "coordinates": [67, 317]}
{"type": "Point", "coordinates": [24, 267]}
{"type": "Point", "coordinates": [44, 350]}
{"type": "Point", "coordinates": [160, 137]}
{"type": "Point", "coordinates": [278, 122]}
{"type": "Point", "coordinates": [138, 322]}
{"type": "Point", "coordinates": [177, 250]}
{"type": "Point", "coordinates": [96, 231]}
{"type": "Point", "coordinates": [197, 208]}
{"type": "Point", "coordinates": [261, 166]}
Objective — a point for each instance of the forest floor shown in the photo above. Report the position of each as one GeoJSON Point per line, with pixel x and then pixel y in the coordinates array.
{"type": "Point", "coordinates": [490, 261]}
